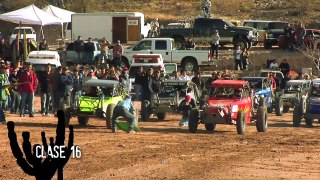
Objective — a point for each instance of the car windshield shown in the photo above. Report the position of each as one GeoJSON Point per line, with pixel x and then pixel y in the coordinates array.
{"type": "Point", "coordinates": [228, 23]}
{"type": "Point", "coordinates": [277, 25]}
{"type": "Point", "coordinates": [16, 31]}
{"type": "Point", "coordinates": [224, 92]}
{"type": "Point", "coordinates": [292, 87]}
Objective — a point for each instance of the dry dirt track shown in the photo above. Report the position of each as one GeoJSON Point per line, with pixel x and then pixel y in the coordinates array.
{"type": "Point", "coordinates": [164, 151]}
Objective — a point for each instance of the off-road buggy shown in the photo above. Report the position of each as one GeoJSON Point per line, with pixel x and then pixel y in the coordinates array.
{"type": "Point", "coordinates": [308, 106]}
{"type": "Point", "coordinates": [98, 99]}
{"type": "Point", "coordinates": [263, 94]}
{"type": "Point", "coordinates": [172, 92]}
{"type": "Point", "coordinates": [229, 102]}
{"type": "Point", "coordinates": [293, 92]}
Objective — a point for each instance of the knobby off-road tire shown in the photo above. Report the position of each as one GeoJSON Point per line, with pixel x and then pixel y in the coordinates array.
{"type": "Point", "coordinates": [83, 120]}
{"type": "Point", "coordinates": [279, 106]}
{"type": "Point", "coordinates": [193, 120]}
{"type": "Point", "coordinates": [286, 109]}
{"type": "Point", "coordinates": [179, 43]}
{"type": "Point", "coordinates": [189, 64]}
{"type": "Point", "coordinates": [241, 124]}
{"type": "Point", "coordinates": [297, 115]}
{"type": "Point", "coordinates": [262, 120]}
{"type": "Point", "coordinates": [210, 126]}
{"type": "Point", "coordinates": [109, 115]}
{"type": "Point", "coordinates": [161, 116]}
{"type": "Point", "coordinates": [145, 106]}
{"type": "Point", "coordinates": [262, 102]}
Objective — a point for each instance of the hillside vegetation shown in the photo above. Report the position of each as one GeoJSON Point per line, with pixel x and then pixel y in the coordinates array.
{"type": "Point", "coordinates": [307, 11]}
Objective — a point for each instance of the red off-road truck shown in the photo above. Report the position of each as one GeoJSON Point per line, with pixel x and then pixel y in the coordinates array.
{"type": "Point", "coordinates": [229, 102]}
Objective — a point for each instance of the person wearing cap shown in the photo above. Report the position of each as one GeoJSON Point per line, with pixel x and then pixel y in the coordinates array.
{"type": "Point", "coordinates": [45, 91]}
{"type": "Point", "coordinates": [124, 109]}
{"type": "Point", "coordinates": [117, 53]}
{"type": "Point", "coordinates": [28, 83]}
{"type": "Point", "coordinates": [215, 43]}
{"type": "Point", "coordinates": [66, 86]}
{"type": "Point", "coordinates": [125, 80]}
{"type": "Point", "coordinates": [14, 94]}
{"type": "Point", "coordinates": [185, 106]}
{"type": "Point", "coordinates": [3, 94]}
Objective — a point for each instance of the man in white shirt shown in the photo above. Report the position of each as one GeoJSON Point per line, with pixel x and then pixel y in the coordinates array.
{"type": "Point", "coordinates": [273, 64]}
{"type": "Point", "coordinates": [184, 75]}
{"type": "Point", "coordinates": [237, 56]}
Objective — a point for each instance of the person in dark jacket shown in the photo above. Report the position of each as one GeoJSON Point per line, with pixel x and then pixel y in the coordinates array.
{"type": "Point", "coordinates": [197, 79]}
{"type": "Point", "coordinates": [78, 47]}
{"type": "Point", "coordinates": [14, 94]}
{"type": "Point", "coordinates": [16, 47]}
{"type": "Point", "coordinates": [55, 84]}
{"type": "Point", "coordinates": [45, 90]}
{"type": "Point", "coordinates": [138, 82]}
{"type": "Point", "coordinates": [146, 93]}
{"type": "Point", "coordinates": [88, 50]}
{"type": "Point", "coordinates": [77, 84]}
{"type": "Point", "coordinates": [66, 86]}
{"type": "Point", "coordinates": [4, 48]}
{"type": "Point", "coordinates": [154, 86]}
{"type": "Point", "coordinates": [43, 46]}
{"type": "Point", "coordinates": [185, 106]}
{"type": "Point", "coordinates": [284, 66]}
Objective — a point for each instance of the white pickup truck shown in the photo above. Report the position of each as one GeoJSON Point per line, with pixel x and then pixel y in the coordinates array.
{"type": "Point", "coordinates": [188, 59]}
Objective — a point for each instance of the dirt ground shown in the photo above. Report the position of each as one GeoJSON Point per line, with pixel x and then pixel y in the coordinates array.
{"type": "Point", "coordinates": [162, 150]}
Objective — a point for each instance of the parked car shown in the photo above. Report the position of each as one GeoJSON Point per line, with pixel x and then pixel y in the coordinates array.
{"type": "Point", "coordinates": [30, 33]}
{"type": "Point", "coordinates": [311, 35]}
{"type": "Point", "coordinates": [71, 54]}
{"type": "Point", "coordinates": [202, 31]}
{"type": "Point", "coordinates": [40, 59]}
{"type": "Point", "coordinates": [308, 107]}
{"type": "Point", "coordinates": [178, 25]}
{"type": "Point", "coordinates": [229, 102]}
{"type": "Point", "coordinates": [259, 25]}
{"type": "Point", "coordinates": [188, 59]}
{"type": "Point", "coordinates": [273, 31]}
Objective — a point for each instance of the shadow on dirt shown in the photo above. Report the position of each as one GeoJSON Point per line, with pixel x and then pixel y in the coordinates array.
{"type": "Point", "coordinates": [178, 130]}
{"type": "Point", "coordinates": [50, 125]}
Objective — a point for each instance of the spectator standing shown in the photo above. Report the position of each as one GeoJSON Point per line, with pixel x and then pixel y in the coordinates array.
{"type": "Point", "coordinates": [3, 94]}
{"type": "Point", "coordinates": [27, 85]}
{"type": "Point", "coordinates": [14, 94]}
{"type": "Point", "coordinates": [89, 51]}
{"type": "Point", "coordinates": [30, 46]}
{"type": "Point", "coordinates": [78, 46]}
{"type": "Point", "coordinates": [104, 49]}
{"type": "Point", "coordinates": [154, 86]}
{"type": "Point", "coordinates": [117, 53]}
{"type": "Point", "coordinates": [45, 90]}
{"type": "Point", "coordinates": [77, 84]}
{"type": "Point", "coordinates": [237, 56]}
{"type": "Point", "coordinates": [300, 33]}
{"type": "Point", "coordinates": [125, 80]}
{"type": "Point", "coordinates": [245, 59]}
{"type": "Point", "coordinates": [214, 76]}
{"type": "Point", "coordinates": [16, 48]}
{"type": "Point", "coordinates": [55, 84]}
{"type": "Point", "coordinates": [174, 76]}
{"type": "Point", "coordinates": [138, 82]}
{"type": "Point", "coordinates": [190, 44]}
{"type": "Point", "coordinates": [215, 43]}
{"type": "Point", "coordinates": [146, 93]}
{"type": "Point", "coordinates": [284, 66]}
{"type": "Point", "coordinates": [289, 33]}
{"type": "Point", "coordinates": [3, 49]}
{"type": "Point", "coordinates": [43, 46]}
{"type": "Point", "coordinates": [66, 82]}
{"type": "Point", "coordinates": [197, 79]}
{"type": "Point", "coordinates": [155, 26]}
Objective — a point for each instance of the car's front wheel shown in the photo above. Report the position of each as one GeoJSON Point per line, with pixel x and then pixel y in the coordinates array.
{"type": "Point", "coordinates": [109, 115]}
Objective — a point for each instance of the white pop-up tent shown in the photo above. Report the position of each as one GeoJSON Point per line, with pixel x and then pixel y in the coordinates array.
{"type": "Point", "coordinates": [62, 14]}
{"type": "Point", "coordinates": [31, 15]}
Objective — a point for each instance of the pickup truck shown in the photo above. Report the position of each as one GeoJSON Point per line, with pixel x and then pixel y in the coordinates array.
{"type": "Point", "coordinates": [188, 59]}
{"type": "Point", "coordinates": [202, 32]}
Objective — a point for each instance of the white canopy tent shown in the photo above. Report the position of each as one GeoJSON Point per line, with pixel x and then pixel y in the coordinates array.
{"type": "Point", "coordinates": [31, 15]}
{"type": "Point", "coordinates": [62, 14]}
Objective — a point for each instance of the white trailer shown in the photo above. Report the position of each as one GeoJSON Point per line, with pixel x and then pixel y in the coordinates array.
{"type": "Point", "coordinates": [124, 26]}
